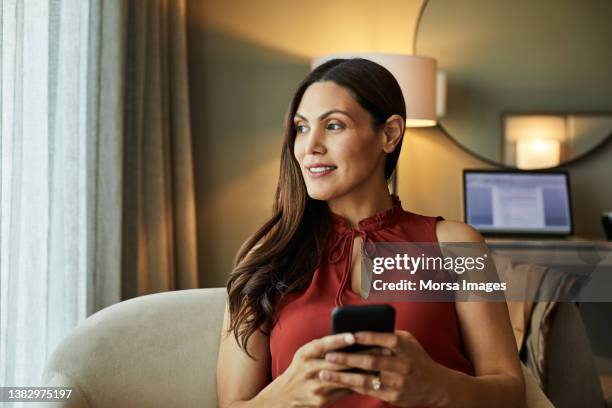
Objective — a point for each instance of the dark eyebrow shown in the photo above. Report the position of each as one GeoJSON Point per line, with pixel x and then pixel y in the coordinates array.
{"type": "Point", "coordinates": [326, 114]}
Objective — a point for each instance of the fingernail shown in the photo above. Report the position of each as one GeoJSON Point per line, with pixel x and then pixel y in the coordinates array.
{"type": "Point", "coordinates": [349, 338]}
{"type": "Point", "coordinates": [324, 375]}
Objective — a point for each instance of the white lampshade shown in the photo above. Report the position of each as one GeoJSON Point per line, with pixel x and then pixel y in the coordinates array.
{"type": "Point", "coordinates": [537, 139]}
{"type": "Point", "coordinates": [416, 76]}
{"type": "Point", "coordinates": [441, 94]}
{"type": "Point", "coordinates": [535, 127]}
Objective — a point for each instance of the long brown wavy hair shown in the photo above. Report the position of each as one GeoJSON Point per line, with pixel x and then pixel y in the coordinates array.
{"type": "Point", "coordinates": [283, 254]}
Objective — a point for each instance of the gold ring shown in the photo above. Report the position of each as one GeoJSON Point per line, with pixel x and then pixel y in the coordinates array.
{"type": "Point", "coordinates": [376, 383]}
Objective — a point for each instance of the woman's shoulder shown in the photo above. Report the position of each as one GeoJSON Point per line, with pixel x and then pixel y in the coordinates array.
{"type": "Point", "coordinates": [414, 219]}
{"type": "Point", "coordinates": [456, 231]}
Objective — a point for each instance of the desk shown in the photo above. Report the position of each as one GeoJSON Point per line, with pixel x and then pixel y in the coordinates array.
{"type": "Point", "coordinates": [575, 255]}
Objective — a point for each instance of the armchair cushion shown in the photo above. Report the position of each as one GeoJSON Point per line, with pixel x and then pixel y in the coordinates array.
{"type": "Point", "coordinates": [157, 350]}
{"type": "Point", "coordinates": [150, 351]}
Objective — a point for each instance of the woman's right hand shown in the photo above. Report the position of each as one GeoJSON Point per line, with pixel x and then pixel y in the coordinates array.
{"type": "Point", "coordinates": [300, 386]}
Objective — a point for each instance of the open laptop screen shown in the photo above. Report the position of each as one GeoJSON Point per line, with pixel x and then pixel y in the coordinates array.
{"type": "Point", "coordinates": [516, 202]}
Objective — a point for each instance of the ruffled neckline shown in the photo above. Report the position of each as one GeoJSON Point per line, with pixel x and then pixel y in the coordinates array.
{"type": "Point", "coordinates": [377, 221]}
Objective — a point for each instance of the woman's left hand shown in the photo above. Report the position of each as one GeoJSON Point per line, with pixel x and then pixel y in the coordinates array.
{"type": "Point", "coordinates": [408, 376]}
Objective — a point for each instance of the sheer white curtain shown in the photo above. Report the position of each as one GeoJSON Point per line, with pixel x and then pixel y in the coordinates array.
{"type": "Point", "coordinates": [60, 193]}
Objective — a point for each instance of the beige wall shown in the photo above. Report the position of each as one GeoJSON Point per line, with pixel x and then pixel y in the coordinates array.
{"type": "Point", "coordinates": [245, 60]}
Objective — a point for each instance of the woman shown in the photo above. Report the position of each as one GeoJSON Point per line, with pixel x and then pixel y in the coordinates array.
{"type": "Point", "coordinates": [342, 140]}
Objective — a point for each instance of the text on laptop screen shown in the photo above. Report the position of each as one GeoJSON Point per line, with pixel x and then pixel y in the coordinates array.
{"type": "Point", "coordinates": [518, 202]}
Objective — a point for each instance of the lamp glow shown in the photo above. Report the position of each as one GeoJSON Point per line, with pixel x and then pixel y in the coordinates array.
{"type": "Point", "coordinates": [537, 153]}
{"type": "Point", "coordinates": [538, 139]}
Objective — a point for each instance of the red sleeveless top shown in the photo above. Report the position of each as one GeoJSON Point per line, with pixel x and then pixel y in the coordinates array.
{"type": "Point", "coordinates": [305, 316]}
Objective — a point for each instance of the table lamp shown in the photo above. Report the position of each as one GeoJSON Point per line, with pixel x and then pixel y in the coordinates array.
{"type": "Point", "coordinates": [537, 138]}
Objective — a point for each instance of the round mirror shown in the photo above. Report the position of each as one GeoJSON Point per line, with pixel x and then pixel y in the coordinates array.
{"type": "Point", "coordinates": [528, 83]}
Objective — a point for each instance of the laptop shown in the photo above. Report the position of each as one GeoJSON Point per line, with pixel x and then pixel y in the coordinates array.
{"type": "Point", "coordinates": [518, 203]}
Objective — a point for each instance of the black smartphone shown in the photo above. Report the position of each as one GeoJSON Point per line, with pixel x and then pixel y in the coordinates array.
{"type": "Point", "coordinates": [355, 318]}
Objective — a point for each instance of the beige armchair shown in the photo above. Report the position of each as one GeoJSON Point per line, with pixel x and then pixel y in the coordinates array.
{"type": "Point", "coordinates": [157, 350]}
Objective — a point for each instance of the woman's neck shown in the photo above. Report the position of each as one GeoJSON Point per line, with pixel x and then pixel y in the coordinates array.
{"type": "Point", "coordinates": [357, 205]}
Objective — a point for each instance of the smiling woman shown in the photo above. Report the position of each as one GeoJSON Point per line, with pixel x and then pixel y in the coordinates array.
{"type": "Point", "coordinates": [343, 135]}
{"type": "Point", "coordinates": [349, 138]}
